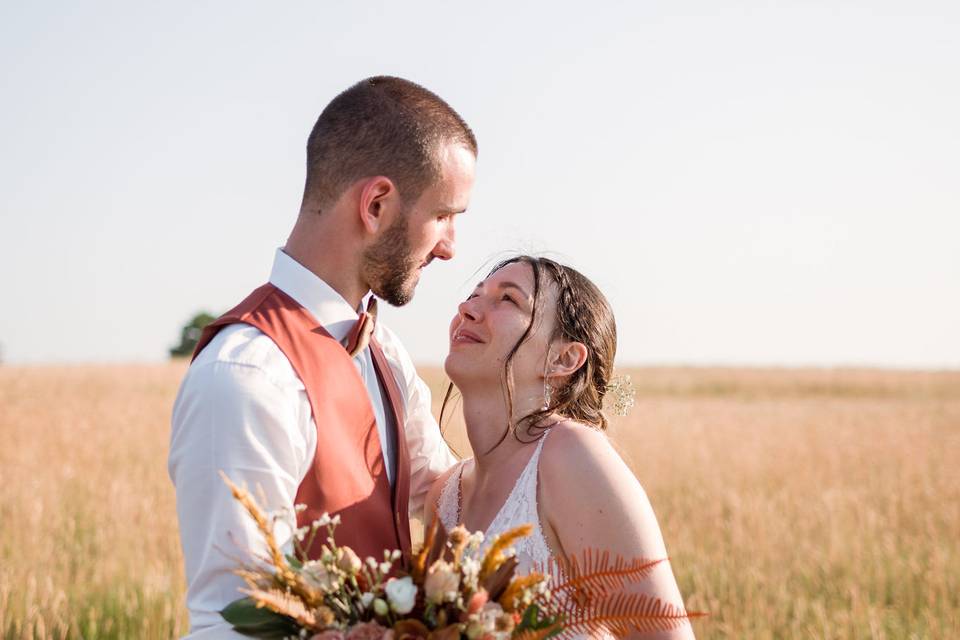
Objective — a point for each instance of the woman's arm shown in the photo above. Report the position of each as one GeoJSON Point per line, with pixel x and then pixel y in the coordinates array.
{"type": "Point", "coordinates": [590, 498]}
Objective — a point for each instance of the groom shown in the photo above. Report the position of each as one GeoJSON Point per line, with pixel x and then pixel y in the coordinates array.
{"type": "Point", "coordinates": [289, 391]}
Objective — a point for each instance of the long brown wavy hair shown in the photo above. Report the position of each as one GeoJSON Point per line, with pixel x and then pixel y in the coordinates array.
{"type": "Point", "coordinates": [583, 315]}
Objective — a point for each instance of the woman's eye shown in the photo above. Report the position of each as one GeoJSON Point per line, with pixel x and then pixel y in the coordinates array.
{"type": "Point", "coordinates": [471, 296]}
{"type": "Point", "coordinates": [509, 299]}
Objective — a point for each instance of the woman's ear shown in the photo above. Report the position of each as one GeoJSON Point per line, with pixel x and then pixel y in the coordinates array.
{"type": "Point", "coordinates": [378, 197]}
{"type": "Point", "coordinates": [566, 359]}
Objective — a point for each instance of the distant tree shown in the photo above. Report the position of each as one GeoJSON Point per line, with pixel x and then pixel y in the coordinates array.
{"type": "Point", "coordinates": [190, 335]}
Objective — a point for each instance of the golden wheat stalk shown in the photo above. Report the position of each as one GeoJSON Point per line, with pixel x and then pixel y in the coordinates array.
{"type": "Point", "coordinates": [285, 575]}
{"type": "Point", "coordinates": [285, 604]}
{"type": "Point", "coordinates": [255, 578]}
{"type": "Point", "coordinates": [510, 598]}
{"type": "Point", "coordinates": [419, 564]}
{"type": "Point", "coordinates": [495, 556]}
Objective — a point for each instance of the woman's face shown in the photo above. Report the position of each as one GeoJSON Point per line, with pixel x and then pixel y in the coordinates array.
{"type": "Point", "coordinates": [491, 321]}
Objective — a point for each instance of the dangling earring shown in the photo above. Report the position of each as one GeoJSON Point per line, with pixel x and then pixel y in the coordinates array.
{"type": "Point", "coordinates": [547, 389]}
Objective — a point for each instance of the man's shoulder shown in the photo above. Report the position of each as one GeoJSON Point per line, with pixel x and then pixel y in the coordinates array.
{"type": "Point", "coordinates": [243, 346]}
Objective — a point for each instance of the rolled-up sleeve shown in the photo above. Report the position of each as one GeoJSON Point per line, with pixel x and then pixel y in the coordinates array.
{"type": "Point", "coordinates": [231, 417]}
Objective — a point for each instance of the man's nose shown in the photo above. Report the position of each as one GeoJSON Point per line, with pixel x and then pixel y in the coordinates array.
{"type": "Point", "coordinates": [446, 248]}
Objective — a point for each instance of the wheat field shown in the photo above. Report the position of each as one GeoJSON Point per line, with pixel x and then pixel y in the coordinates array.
{"type": "Point", "coordinates": [794, 503]}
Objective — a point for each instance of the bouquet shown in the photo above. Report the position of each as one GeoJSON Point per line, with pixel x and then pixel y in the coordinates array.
{"type": "Point", "coordinates": [447, 590]}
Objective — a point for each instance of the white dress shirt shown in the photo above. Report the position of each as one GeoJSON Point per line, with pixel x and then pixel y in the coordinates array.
{"type": "Point", "coordinates": [243, 409]}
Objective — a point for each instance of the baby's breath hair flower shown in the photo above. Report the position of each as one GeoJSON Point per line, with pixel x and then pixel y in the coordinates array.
{"type": "Point", "coordinates": [620, 395]}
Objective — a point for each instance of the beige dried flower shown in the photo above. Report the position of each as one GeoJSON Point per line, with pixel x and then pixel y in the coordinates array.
{"type": "Point", "coordinates": [442, 583]}
{"type": "Point", "coordinates": [348, 561]}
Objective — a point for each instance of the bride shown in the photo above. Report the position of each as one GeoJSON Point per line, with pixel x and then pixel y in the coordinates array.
{"type": "Point", "coordinates": [531, 351]}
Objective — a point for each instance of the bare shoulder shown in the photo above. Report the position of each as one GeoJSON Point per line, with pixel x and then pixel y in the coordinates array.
{"type": "Point", "coordinates": [572, 448]}
{"type": "Point", "coordinates": [592, 498]}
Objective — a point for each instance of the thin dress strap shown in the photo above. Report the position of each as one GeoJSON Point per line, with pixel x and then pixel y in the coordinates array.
{"type": "Point", "coordinates": [448, 502]}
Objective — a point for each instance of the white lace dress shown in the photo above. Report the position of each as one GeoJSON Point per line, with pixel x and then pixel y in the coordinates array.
{"type": "Point", "coordinates": [519, 508]}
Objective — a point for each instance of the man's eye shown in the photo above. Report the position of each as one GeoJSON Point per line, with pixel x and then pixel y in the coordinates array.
{"type": "Point", "coordinates": [471, 296]}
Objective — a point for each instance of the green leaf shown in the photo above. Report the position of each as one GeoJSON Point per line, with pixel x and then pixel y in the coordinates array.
{"type": "Point", "coordinates": [529, 618]}
{"type": "Point", "coordinates": [531, 621]}
{"type": "Point", "coordinates": [249, 620]}
{"type": "Point", "coordinates": [294, 562]}
{"type": "Point", "coordinates": [272, 631]}
{"type": "Point", "coordinates": [244, 612]}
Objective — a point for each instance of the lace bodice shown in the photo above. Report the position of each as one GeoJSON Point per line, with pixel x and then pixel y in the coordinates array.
{"type": "Point", "coordinates": [519, 508]}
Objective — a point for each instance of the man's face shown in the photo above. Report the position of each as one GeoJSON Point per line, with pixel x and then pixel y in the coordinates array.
{"type": "Point", "coordinates": [423, 232]}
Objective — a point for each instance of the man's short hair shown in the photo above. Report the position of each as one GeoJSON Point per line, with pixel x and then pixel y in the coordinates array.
{"type": "Point", "coordinates": [381, 126]}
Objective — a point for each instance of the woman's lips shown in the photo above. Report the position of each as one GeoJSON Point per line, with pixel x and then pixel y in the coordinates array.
{"type": "Point", "coordinates": [461, 336]}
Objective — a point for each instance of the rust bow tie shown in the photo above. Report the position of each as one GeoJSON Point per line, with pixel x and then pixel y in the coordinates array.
{"type": "Point", "coordinates": [359, 337]}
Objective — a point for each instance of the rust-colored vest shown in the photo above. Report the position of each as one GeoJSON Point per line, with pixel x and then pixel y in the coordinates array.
{"type": "Point", "coordinates": [348, 475]}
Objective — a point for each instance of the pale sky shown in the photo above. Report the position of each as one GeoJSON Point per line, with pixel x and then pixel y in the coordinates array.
{"type": "Point", "coordinates": [771, 183]}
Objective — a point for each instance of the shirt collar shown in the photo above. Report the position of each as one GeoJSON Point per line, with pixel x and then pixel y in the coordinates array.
{"type": "Point", "coordinates": [313, 294]}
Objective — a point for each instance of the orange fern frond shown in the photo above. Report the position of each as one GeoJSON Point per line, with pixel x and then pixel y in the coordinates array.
{"type": "Point", "coordinates": [594, 575]}
{"type": "Point", "coordinates": [622, 613]}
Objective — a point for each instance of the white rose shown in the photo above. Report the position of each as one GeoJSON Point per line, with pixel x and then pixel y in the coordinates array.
{"type": "Point", "coordinates": [402, 594]}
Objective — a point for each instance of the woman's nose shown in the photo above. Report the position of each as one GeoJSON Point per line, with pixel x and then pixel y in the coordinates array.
{"type": "Point", "coordinates": [470, 310]}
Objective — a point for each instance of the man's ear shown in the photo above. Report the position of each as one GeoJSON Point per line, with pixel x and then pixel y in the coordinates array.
{"type": "Point", "coordinates": [566, 359]}
{"type": "Point", "coordinates": [378, 200]}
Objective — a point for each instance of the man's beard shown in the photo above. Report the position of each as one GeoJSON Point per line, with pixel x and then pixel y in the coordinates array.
{"type": "Point", "coordinates": [389, 268]}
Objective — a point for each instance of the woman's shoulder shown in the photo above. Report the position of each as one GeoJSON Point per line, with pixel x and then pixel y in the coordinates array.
{"type": "Point", "coordinates": [592, 497]}
{"type": "Point", "coordinates": [579, 460]}
{"type": "Point", "coordinates": [574, 445]}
